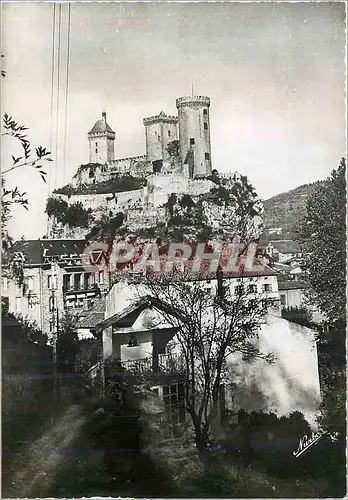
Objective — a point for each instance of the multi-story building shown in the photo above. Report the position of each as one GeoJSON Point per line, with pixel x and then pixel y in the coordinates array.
{"type": "Point", "coordinates": [50, 280]}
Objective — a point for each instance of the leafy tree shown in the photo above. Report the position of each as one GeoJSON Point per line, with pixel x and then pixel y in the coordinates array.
{"type": "Point", "coordinates": [67, 344]}
{"type": "Point", "coordinates": [173, 148]}
{"type": "Point", "coordinates": [30, 157]}
{"type": "Point", "coordinates": [55, 207]}
{"type": "Point", "coordinates": [211, 328]}
{"type": "Point", "coordinates": [323, 237]}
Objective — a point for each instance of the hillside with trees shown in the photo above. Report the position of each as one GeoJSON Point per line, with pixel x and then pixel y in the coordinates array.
{"type": "Point", "coordinates": [286, 209]}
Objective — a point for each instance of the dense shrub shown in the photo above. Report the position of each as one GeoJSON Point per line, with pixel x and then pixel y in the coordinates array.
{"type": "Point", "coordinates": [300, 315]}
{"type": "Point", "coordinates": [76, 216]}
{"type": "Point", "coordinates": [55, 207]}
{"type": "Point", "coordinates": [267, 442]}
{"type": "Point", "coordinates": [116, 184]}
{"type": "Point", "coordinates": [73, 215]}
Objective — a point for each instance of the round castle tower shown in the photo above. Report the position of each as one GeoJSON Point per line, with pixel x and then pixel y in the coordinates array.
{"type": "Point", "coordinates": [101, 140]}
{"type": "Point", "coordinates": [194, 134]}
{"type": "Point", "coordinates": [160, 130]}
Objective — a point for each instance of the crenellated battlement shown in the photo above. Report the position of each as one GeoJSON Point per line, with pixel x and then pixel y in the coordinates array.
{"type": "Point", "coordinates": [193, 100]}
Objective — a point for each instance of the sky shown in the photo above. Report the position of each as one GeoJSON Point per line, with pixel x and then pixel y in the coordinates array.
{"type": "Point", "coordinates": [274, 72]}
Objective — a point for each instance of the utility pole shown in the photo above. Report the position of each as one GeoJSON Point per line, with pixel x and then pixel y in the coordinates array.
{"type": "Point", "coordinates": [55, 326]}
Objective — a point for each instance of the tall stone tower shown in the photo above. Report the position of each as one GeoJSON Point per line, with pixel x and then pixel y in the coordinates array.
{"type": "Point", "coordinates": [160, 130]}
{"type": "Point", "coordinates": [101, 142]}
{"type": "Point", "coordinates": [194, 134]}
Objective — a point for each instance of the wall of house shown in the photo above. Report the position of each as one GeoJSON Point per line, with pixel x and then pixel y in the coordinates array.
{"type": "Point", "coordinates": [292, 298]}
{"type": "Point", "coordinates": [33, 300]}
{"type": "Point", "coordinates": [288, 384]}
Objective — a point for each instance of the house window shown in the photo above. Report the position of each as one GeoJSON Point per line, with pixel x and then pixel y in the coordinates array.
{"type": "Point", "coordinates": [282, 299]}
{"type": "Point", "coordinates": [86, 279]}
{"type": "Point", "coordinates": [267, 287]}
{"type": "Point", "coordinates": [66, 281]}
{"type": "Point", "coordinates": [30, 283]}
{"type": "Point", "coordinates": [18, 304]}
{"type": "Point", "coordinates": [238, 290]}
{"type": "Point", "coordinates": [192, 141]}
{"type": "Point", "coordinates": [205, 126]}
{"type": "Point", "coordinates": [52, 304]}
{"type": "Point", "coordinates": [207, 156]}
{"type": "Point", "coordinates": [174, 401]}
{"type": "Point", "coordinates": [205, 111]}
{"type": "Point", "coordinates": [252, 288]}
{"type": "Point", "coordinates": [77, 281]}
{"type": "Point", "coordinates": [5, 283]}
{"type": "Point", "coordinates": [101, 277]}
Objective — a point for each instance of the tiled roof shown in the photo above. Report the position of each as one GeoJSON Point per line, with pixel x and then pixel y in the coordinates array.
{"type": "Point", "coordinates": [286, 246]}
{"type": "Point", "coordinates": [35, 250]}
{"type": "Point", "coordinates": [292, 285]}
{"type": "Point", "coordinates": [94, 316]}
{"type": "Point", "coordinates": [101, 126]}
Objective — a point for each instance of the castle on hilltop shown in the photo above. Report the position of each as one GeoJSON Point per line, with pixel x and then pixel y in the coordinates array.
{"type": "Point", "coordinates": [177, 161]}
{"type": "Point", "coordinates": [174, 144]}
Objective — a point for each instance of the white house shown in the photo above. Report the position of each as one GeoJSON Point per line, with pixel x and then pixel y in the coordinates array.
{"type": "Point", "coordinates": [136, 333]}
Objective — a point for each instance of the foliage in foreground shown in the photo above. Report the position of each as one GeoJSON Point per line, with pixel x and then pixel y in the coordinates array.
{"type": "Point", "coordinates": [323, 237]}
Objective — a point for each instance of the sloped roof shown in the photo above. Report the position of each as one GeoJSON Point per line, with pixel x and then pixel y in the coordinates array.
{"type": "Point", "coordinates": [286, 246]}
{"type": "Point", "coordinates": [101, 126]}
{"type": "Point", "coordinates": [94, 316]}
{"type": "Point", "coordinates": [129, 314]}
{"type": "Point", "coordinates": [292, 285]}
{"type": "Point", "coordinates": [35, 250]}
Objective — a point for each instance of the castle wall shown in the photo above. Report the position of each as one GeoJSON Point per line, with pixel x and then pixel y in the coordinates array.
{"type": "Point", "coordinates": [126, 165]}
{"type": "Point", "coordinates": [159, 187]}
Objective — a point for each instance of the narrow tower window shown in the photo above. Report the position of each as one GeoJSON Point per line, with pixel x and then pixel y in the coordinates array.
{"type": "Point", "coordinates": [205, 126]}
{"type": "Point", "coordinates": [169, 134]}
{"type": "Point", "coordinates": [205, 111]}
{"type": "Point", "coordinates": [207, 156]}
{"type": "Point", "coordinates": [192, 141]}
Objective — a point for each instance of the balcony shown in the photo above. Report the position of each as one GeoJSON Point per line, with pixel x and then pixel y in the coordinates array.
{"type": "Point", "coordinates": [83, 288]}
{"type": "Point", "coordinates": [162, 363]}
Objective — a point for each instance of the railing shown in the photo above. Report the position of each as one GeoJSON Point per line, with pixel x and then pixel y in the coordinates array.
{"type": "Point", "coordinates": [80, 288]}
{"type": "Point", "coordinates": [162, 363]}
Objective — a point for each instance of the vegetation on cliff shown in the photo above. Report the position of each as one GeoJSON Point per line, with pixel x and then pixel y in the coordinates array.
{"type": "Point", "coordinates": [116, 184]}
{"type": "Point", "coordinates": [73, 215]}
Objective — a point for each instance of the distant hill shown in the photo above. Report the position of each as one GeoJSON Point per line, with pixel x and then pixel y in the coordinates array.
{"type": "Point", "coordinates": [285, 210]}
